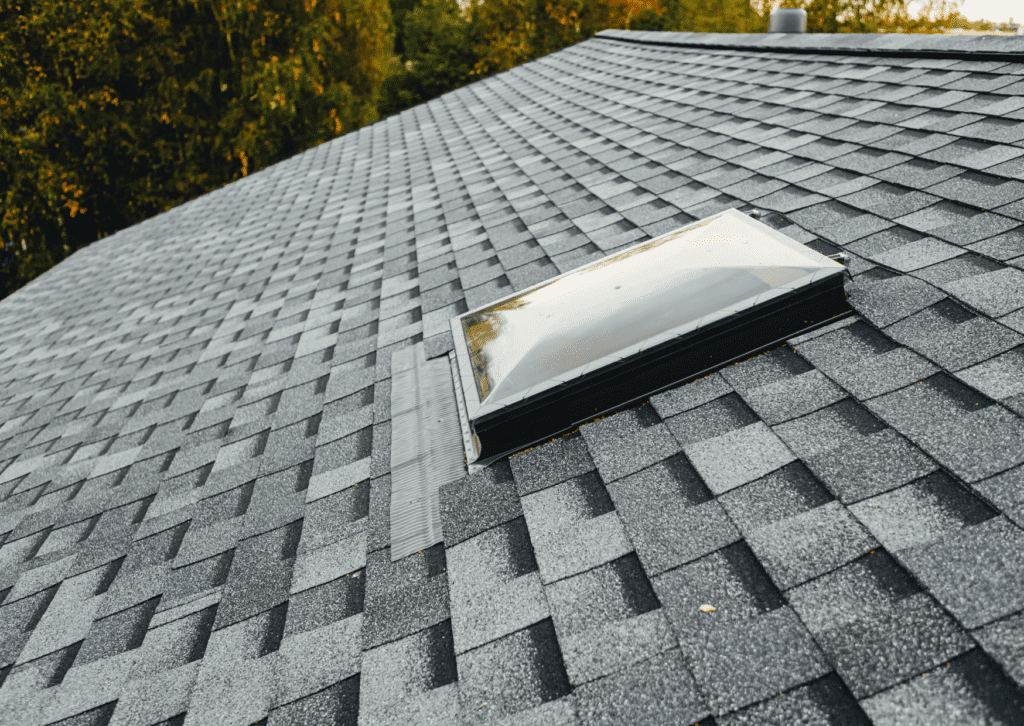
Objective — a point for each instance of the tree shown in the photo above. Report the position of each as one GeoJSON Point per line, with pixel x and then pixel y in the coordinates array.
{"type": "Point", "coordinates": [438, 56]}
{"type": "Point", "coordinates": [714, 16]}
{"type": "Point", "coordinates": [114, 110]}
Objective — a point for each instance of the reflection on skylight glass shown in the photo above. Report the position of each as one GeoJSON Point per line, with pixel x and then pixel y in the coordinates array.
{"type": "Point", "coordinates": [607, 306]}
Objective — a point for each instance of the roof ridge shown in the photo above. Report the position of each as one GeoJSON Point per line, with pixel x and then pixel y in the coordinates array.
{"type": "Point", "coordinates": [894, 45]}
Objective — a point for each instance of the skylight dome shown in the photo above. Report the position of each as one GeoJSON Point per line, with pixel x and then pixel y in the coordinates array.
{"type": "Point", "coordinates": [600, 336]}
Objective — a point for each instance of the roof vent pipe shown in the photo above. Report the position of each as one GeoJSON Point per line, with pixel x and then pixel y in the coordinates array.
{"type": "Point", "coordinates": [788, 20]}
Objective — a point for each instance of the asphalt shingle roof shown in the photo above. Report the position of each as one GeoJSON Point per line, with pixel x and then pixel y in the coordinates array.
{"type": "Point", "coordinates": [195, 417]}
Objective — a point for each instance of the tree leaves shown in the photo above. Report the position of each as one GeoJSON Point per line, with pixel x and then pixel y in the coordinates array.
{"type": "Point", "coordinates": [112, 111]}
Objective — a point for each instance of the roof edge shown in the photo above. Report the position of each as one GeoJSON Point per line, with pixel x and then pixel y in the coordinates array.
{"type": "Point", "coordinates": [1005, 48]}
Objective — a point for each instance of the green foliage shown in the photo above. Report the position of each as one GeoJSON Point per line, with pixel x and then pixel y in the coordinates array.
{"type": "Point", "coordinates": [435, 37]}
{"type": "Point", "coordinates": [715, 16]}
{"type": "Point", "coordinates": [112, 111]}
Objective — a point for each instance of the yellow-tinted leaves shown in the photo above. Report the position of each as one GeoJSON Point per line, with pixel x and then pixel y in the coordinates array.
{"type": "Point", "coordinates": [163, 142]}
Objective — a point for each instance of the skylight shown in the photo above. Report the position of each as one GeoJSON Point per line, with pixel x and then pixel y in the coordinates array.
{"type": "Point", "coordinates": [641, 320]}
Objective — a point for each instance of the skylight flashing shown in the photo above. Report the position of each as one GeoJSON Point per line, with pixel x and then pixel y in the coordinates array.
{"type": "Point", "coordinates": [638, 307]}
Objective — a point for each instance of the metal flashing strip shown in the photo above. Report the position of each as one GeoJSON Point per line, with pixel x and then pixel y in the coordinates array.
{"type": "Point", "coordinates": [426, 447]}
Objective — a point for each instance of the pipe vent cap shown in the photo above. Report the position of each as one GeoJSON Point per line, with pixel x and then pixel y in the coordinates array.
{"type": "Point", "coordinates": [788, 20]}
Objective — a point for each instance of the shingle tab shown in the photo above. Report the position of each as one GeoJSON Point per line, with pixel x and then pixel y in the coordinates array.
{"type": "Point", "coordinates": [727, 461]}
{"type": "Point", "coordinates": [574, 527]}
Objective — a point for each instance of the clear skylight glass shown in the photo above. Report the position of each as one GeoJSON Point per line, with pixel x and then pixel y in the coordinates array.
{"type": "Point", "coordinates": [613, 307]}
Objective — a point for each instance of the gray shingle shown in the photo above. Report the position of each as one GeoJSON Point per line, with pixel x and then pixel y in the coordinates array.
{"type": "Point", "coordinates": [234, 681]}
{"type": "Point", "coordinates": [921, 512]}
{"type": "Point", "coordinates": [693, 394]}
{"type": "Point", "coordinates": [972, 445]}
{"type": "Point", "coordinates": [875, 625]}
{"type": "Point", "coordinates": [809, 544]}
{"type": "Point", "coordinates": [403, 597]}
{"type": "Point", "coordinates": [886, 301]}
{"type": "Point", "coordinates": [951, 337]}
{"type": "Point", "coordinates": [979, 189]}
{"type": "Point", "coordinates": [868, 465]}
{"type": "Point", "coordinates": [651, 692]}
{"type": "Point", "coordinates": [313, 660]}
{"type": "Point", "coordinates": [993, 293]}
{"type": "Point", "coordinates": [260, 575]}
{"type": "Point", "coordinates": [999, 377]}
{"type": "Point", "coordinates": [607, 618]}
{"type": "Point", "coordinates": [518, 672]}
{"type": "Point", "coordinates": [826, 701]}
{"type": "Point", "coordinates": [410, 679]}
{"type": "Point", "coordinates": [494, 587]}
{"type": "Point", "coordinates": [574, 527]}
{"type": "Point", "coordinates": [976, 573]}
{"type": "Point", "coordinates": [720, 416]}
{"type": "Point", "coordinates": [627, 442]}
{"type": "Point", "coordinates": [550, 463]}
{"type": "Point", "coordinates": [1003, 641]}
{"type": "Point", "coordinates": [670, 515]}
{"type": "Point", "coordinates": [972, 687]}
{"type": "Point", "coordinates": [478, 502]}
{"type": "Point", "coordinates": [973, 154]}
{"type": "Point", "coordinates": [792, 397]}
{"type": "Point", "coordinates": [730, 460]}
{"type": "Point", "coordinates": [744, 661]}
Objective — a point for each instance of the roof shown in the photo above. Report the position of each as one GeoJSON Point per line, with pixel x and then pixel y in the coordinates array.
{"type": "Point", "coordinates": [195, 417]}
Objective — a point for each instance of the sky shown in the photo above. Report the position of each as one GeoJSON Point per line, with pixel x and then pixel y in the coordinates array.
{"type": "Point", "coordinates": [996, 10]}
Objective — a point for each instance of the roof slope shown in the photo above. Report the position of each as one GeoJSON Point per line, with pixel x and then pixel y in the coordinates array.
{"type": "Point", "coordinates": [195, 437]}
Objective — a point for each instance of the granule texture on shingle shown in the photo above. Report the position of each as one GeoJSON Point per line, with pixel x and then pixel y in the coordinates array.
{"type": "Point", "coordinates": [518, 672]}
{"type": "Point", "coordinates": [725, 462]}
{"type": "Point", "coordinates": [691, 395]}
{"type": "Point", "coordinates": [977, 573]}
{"type": "Point", "coordinates": [792, 397]}
{"type": "Point", "coordinates": [993, 293]}
{"type": "Point", "coordinates": [604, 621]}
{"type": "Point", "coordinates": [397, 683]}
{"type": "Point", "coordinates": [871, 618]}
{"type": "Point", "coordinates": [568, 537]}
{"type": "Point", "coordinates": [977, 445]}
{"type": "Point", "coordinates": [822, 701]}
{"type": "Point", "coordinates": [970, 688]}
{"type": "Point", "coordinates": [1003, 640]}
{"type": "Point", "coordinates": [921, 512]}
{"type": "Point", "coordinates": [311, 661]}
{"type": "Point", "coordinates": [883, 373]}
{"type": "Point", "coordinates": [953, 346]}
{"type": "Point", "coordinates": [918, 254]}
{"type": "Point", "coordinates": [998, 377]}
{"type": "Point", "coordinates": [745, 661]}
{"type": "Point", "coordinates": [478, 502]}
{"type": "Point", "coordinates": [804, 546]}
{"type": "Point", "coordinates": [884, 302]}
{"type": "Point", "coordinates": [718, 417]}
{"type": "Point", "coordinates": [654, 691]}
{"type": "Point", "coordinates": [626, 443]}
{"type": "Point", "coordinates": [550, 463]}
{"type": "Point", "coordinates": [492, 593]}
{"type": "Point", "coordinates": [670, 522]}
{"type": "Point", "coordinates": [870, 465]}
